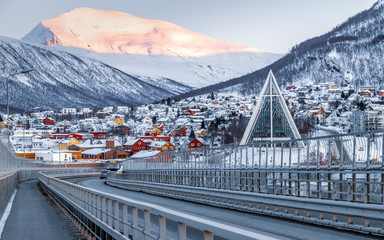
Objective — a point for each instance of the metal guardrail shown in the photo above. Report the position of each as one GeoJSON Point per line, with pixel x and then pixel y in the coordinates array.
{"type": "Point", "coordinates": [358, 217]}
{"type": "Point", "coordinates": [105, 216]}
{"type": "Point", "coordinates": [327, 167]}
{"type": "Point", "coordinates": [341, 151]}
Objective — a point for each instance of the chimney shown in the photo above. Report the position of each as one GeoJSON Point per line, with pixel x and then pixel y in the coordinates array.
{"type": "Point", "coordinates": [110, 144]}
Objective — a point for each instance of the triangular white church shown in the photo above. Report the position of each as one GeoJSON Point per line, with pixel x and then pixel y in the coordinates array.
{"type": "Point", "coordinates": [271, 119]}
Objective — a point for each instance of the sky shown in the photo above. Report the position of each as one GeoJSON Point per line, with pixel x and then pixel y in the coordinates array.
{"type": "Point", "coordinates": [269, 25]}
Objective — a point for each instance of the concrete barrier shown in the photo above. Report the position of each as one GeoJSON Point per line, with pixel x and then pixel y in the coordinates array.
{"type": "Point", "coordinates": [10, 180]}
{"type": "Point", "coordinates": [8, 183]}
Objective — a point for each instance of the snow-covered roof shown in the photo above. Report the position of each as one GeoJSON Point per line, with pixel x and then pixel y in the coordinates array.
{"type": "Point", "coordinates": [96, 151]}
{"type": "Point", "coordinates": [145, 154]}
{"type": "Point", "coordinates": [131, 141]}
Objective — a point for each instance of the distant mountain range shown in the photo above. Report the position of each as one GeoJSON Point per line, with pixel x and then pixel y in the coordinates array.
{"type": "Point", "coordinates": [353, 52]}
{"type": "Point", "coordinates": [149, 49]}
{"type": "Point", "coordinates": [61, 79]}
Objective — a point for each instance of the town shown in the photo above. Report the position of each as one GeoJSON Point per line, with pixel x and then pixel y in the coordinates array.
{"type": "Point", "coordinates": [103, 133]}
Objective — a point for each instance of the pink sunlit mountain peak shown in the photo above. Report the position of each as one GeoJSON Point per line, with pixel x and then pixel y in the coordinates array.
{"type": "Point", "coordinates": [105, 31]}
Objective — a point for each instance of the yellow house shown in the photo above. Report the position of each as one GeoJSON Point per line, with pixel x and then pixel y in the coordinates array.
{"type": "Point", "coordinates": [334, 86]}
{"type": "Point", "coordinates": [66, 143]}
{"type": "Point", "coordinates": [156, 130]}
{"type": "Point", "coordinates": [201, 133]}
{"type": "Point", "coordinates": [162, 146]}
{"type": "Point", "coordinates": [118, 120]}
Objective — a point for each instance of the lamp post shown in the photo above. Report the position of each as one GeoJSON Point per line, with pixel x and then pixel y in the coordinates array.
{"type": "Point", "coordinates": [7, 89]}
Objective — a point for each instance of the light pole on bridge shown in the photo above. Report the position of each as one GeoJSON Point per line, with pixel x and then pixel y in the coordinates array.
{"type": "Point", "coordinates": [7, 92]}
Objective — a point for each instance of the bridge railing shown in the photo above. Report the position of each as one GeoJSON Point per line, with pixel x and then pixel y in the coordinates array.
{"type": "Point", "coordinates": [345, 167]}
{"type": "Point", "coordinates": [108, 216]}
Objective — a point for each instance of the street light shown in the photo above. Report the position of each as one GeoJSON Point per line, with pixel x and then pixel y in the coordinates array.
{"type": "Point", "coordinates": [13, 74]}
{"type": "Point", "coordinates": [7, 89]}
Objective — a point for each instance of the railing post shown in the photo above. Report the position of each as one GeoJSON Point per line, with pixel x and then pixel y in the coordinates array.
{"type": "Point", "coordinates": [162, 228]}
{"type": "Point", "coordinates": [109, 201]}
{"type": "Point", "coordinates": [103, 209]}
{"type": "Point", "coordinates": [98, 204]}
{"type": "Point", "coordinates": [116, 215]}
{"type": "Point", "coordinates": [208, 235]}
{"type": "Point", "coordinates": [147, 223]}
{"type": "Point", "coordinates": [135, 222]}
{"type": "Point", "coordinates": [125, 220]}
{"type": "Point", "coordinates": [182, 231]}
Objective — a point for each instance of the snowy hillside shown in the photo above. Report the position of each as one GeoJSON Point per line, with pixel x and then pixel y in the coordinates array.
{"type": "Point", "coordinates": [61, 79]}
{"type": "Point", "coordinates": [352, 52]}
{"type": "Point", "coordinates": [151, 49]}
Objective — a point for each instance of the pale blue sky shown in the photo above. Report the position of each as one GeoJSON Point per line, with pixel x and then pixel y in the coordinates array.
{"type": "Point", "coordinates": [270, 25]}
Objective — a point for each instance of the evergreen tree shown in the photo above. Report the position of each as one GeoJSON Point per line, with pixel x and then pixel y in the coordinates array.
{"type": "Point", "coordinates": [202, 125]}
{"type": "Point", "coordinates": [192, 135]}
{"type": "Point", "coordinates": [361, 106]}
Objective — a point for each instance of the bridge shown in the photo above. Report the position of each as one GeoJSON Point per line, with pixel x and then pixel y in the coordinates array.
{"type": "Point", "coordinates": [326, 186]}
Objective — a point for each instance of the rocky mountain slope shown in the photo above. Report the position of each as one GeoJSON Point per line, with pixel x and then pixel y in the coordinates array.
{"type": "Point", "coordinates": [352, 52]}
{"type": "Point", "coordinates": [61, 79]}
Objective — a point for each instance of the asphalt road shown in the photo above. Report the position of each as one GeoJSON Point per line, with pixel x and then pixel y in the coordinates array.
{"type": "Point", "coordinates": [269, 226]}
{"type": "Point", "coordinates": [34, 216]}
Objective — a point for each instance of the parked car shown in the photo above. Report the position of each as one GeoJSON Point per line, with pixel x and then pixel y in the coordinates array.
{"type": "Point", "coordinates": [104, 174]}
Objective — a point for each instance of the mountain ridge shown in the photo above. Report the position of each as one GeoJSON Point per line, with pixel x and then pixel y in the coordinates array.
{"type": "Point", "coordinates": [61, 79]}
{"type": "Point", "coordinates": [174, 59]}
{"type": "Point", "coordinates": [349, 53]}
{"type": "Point", "coordinates": [107, 31]}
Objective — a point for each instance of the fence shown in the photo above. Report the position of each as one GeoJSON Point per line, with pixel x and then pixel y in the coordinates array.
{"type": "Point", "coordinates": [107, 216]}
{"type": "Point", "coordinates": [346, 167]}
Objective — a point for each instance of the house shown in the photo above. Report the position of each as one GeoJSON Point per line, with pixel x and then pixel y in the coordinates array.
{"type": "Point", "coordinates": [118, 120]}
{"type": "Point", "coordinates": [48, 121]}
{"type": "Point", "coordinates": [110, 152]}
{"type": "Point", "coordinates": [57, 157]}
{"type": "Point", "coordinates": [64, 144]}
{"type": "Point", "coordinates": [95, 154]}
{"type": "Point", "coordinates": [197, 143]}
{"type": "Point", "coordinates": [135, 145]}
{"type": "Point", "coordinates": [162, 146]}
{"type": "Point", "coordinates": [62, 135]}
{"type": "Point", "coordinates": [153, 156]}
{"type": "Point", "coordinates": [86, 145]}
{"type": "Point", "coordinates": [99, 135]}
{"type": "Point", "coordinates": [191, 112]}
{"type": "Point", "coordinates": [179, 132]}
{"type": "Point", "coordinates": [81, 136]}
{"type": "Point", "coordinates": [156, 137]}
{"type": "Point", "coordinates": [68, 110]}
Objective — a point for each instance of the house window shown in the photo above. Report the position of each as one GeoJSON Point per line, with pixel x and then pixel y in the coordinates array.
{"type": "Point", "coordinates": [142, 147]}
{"type": "Point", "coordinates": [198, 144]}
{"type": "Point", "coordinates": [192, 144]}
{"type": "Point", "coordinates": [164, 148]}
{"type": "Point", "coordinates": [171, 148]}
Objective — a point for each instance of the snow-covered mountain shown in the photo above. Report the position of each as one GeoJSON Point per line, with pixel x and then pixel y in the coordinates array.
{"type": "Point", "coordinates": [61, 79]}
{"type": "Point", "coordinates": [353, 52]}
{"type": "Point", "coordinates": [150, 49]}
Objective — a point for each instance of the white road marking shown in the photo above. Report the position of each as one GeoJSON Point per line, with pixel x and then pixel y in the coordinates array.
{"type": "Point", "coordinates": [7, 212]}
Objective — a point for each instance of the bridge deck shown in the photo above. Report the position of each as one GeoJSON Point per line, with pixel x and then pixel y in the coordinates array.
{"type": "Point", "coordinates": [34, 216]}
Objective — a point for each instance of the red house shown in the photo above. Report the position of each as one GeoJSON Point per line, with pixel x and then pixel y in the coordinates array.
{"type": "Point", "coordinates": [191, 112]}
{"type": "Point", "coordinates": [48, 121]}
{"type": "Point", "coordinates": [156, 137]}
{"type": "Point", "coordinates": [62, 135]}
{"type": "Point", "coordinates": [135, 145]}
{"type": "Point", "coordinates": [181, 132]}
{"type": "Point", "coordinates": [99, 135]}
{"type": "Point", "coordinates": [197, 143]}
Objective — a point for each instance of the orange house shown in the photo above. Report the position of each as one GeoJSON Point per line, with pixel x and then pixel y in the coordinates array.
{"type": "Point", "coordinates": [162, 146]}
